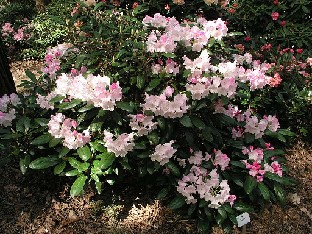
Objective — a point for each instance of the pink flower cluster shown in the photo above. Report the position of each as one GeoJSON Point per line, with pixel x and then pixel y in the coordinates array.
{"type": "Point", "coordinates": [204, 77]}
{"type": "Point", "coordinates": [163, 107]}
{"type": "Point", "coordinates": [93, 89]}
{"type": "Point", "coordinates": [43, 101]}
{"type": "Point", "coordinates": [255, 154]}
{"type": "Point", "coordinates": [163, 153]}
{"type": "Point", "coordinates": [199, 182]}
{"type": "Point", "coordinates": [66, 128]}
{"type": "Point", "coordinates": [141, 123]}
{"type": "Point", "coordinates": [255, 164]}
{"type": "Point", "coordinates": [7, 111]}
{"type": "Point", "coordinates": [121, 145]}
{"type": "Point", "coordinates": [195, 35]}
{"type": "Point", "coordinates": [252, 124]}
{"type": "Point", "coordinates": [22, 33]}
{"type": "Point", "coordinates": [53, 56]}
{"type": "Point", "coordinates": [170, 67]}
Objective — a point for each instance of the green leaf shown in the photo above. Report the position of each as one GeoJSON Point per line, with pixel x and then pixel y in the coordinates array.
{"type": "Point", "coordinates": [42, 121]}
{"type": "Point", "coordinates": [191, 209]}
{"type": "Point", "coordinates": [84, 153]}
{"type": "Point", "coordinates": [86, 108]}
{"type": "Point", "coordinates": [207, 134]}
{"type": "Point", "coordinates": [264, 191]}
{"type": "Point", "coordinates": [98, 146]}
{"type": "Point", "coordinates": [44, 162]}
{"type": "Point", "coordinates": [126, 106]}
{"type": "Point", "coordinates": [280, 194]}
{"type": "Point", "coordinates": [219, 219]}
{"type": "Point", "coordinates": [235, 34]}
{"type": "Point", "coordinates": [144, 154]}
{"type": "Point", "coordinates": [249, 138]}
{"type": "Point", "coordinates": [23, 125]}
{"type": "Point", "coordinates": [242, 207]}
{"type": "Point", "coordinates": [140, 81]}
{"type": "Point", "coordinates": [43, 139]}
{"type": "Point", "coordinates": [186, 121]}
{"type": "Point", "coordinates": [161, 123]}
{"type": "Point", "coordinates": [58, 169]}
{"type": "Point", "coordinates": [169, 55]}
{"type": "Point", "coordinates": [69, 105]}
{"type": "Point", "coordinates": [222, 212]}
{"type": "Point", "coordinates": [72, 173]}
{"type": "Point", "coordinates": [173, 168]}
{"type": "Point", "coordinates": [64, 151]}
{"type": "Point", "coordinates": [198, 122]}
{"type": "Point", "coordinates": [78, 165]}
{"type": "Point", "coordinates": [98, 186]}
{"type": "Point", "coordinates": [163, 193]}
{"type": "Point", "coordinates": [57, 98]}
{"type": "Point", "coordinates": [281, 138]}
{"type": "Point", "coordinates": [153, 84]}
{"type": "Point", "coordinates": [107, 159]}
{"type": "Point", "coordinates": [279, 179]}
{"type": "Point", "coordinates": [228, 208]}
{"type": "Point", "coordinates": [286, 132]}
{"type": "Point", "coordinates": [270, 153]}
{"type": "Point", "coordinates": [54, 141]}
{"type": "Point", "coordinates": [238, 164]}
{"type": "Point", "coordinates": [153, 138]}
{"type": "Point", "coordinates": [78, 185]}
{"type": "Point", "coordinates": [98, 5]}
{"type": "Point", "coordinates": [250, 184]}
{"type": "Point", "coordinates": [111, 182]}
{"type": "Point", "coordinates": [31, 76]}
{"type": "Point", "coordinates": [24, 163]}
{"type": "Point", "coordinates": [177, 202]}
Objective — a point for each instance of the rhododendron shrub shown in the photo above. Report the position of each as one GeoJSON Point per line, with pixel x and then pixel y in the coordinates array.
{"type": "Point", "coordinates": [17, 35]}
{"type": "Point", "coordinates": [280, 34]}
{"type": "Point", "coordinates": [208, 155]}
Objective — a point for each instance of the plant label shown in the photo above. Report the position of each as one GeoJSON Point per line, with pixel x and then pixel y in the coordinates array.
{"type": "Point", "coordinates": [242, 219]}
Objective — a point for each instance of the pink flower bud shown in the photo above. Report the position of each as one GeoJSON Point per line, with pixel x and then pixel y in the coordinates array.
{"type": "Point", "coordinates": [275, 15]}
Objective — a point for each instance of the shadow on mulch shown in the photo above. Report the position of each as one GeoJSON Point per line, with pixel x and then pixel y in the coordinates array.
{"type": "Point", "coordinates": [24, 197]}
{"type": "Point", "coordinates": [39, 202]}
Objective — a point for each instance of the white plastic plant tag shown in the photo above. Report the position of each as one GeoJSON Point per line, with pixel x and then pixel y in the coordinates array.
{"type": "Point", "coordinates": [242, 219]}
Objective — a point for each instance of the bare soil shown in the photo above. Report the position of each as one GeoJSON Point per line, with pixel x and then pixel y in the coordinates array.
{"type": "Point", "coordinates": [39, 202]}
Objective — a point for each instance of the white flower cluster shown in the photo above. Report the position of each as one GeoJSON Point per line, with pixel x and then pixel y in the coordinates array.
{"type": "Point", "coordinates": [7, 112]}
{"type": "Point", "coordinates": [163, 153]}
{"type": "Point", "coordinates": [62, 127]}
{"type": "Point", "coordinates": [121, 145]}
{"type": "Point", "coordinates": [43, 101]}
{"type": "Point", "coordinates": [141, 123]}
{"type": "Point", "coordinates": [93, 89]}
{"type": "Point", "coordinates": [159, 105]}
{"type": "Point", "coordinates": [198, 182]}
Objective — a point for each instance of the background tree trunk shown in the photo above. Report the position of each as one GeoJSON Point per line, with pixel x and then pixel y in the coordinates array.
{"type": "Point", "coordinates": [40, 5]}
{"type": "Point", "coordinates": [7, 85]}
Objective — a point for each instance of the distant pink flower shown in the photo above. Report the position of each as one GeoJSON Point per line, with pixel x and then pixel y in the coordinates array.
{"type": "Point", "coordinates": [283, 23]}
{"type": "Point", "coordinates": [299, 51]}
{"type": "Point", "coordinates": [276, 80]}
{"type": "Point", "coordinates": [275, 15]}
{"type": "Point", "coordinates": [7, 28]}
{"type": "Point", "coordinates": [266, 47]}
{"type": "Point", "coordinates": [135, 5]}
{"type": "Point", "coordinates": [231, 199]}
